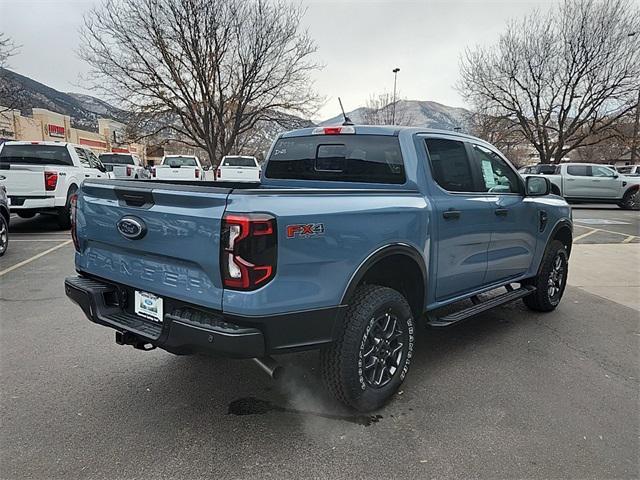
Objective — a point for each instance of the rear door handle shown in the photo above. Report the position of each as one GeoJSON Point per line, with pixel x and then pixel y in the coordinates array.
{"type": "Point", "coordinates": [87, 175]}
{"type": "Point", "coordinates": [451, 214]}
{"type": "Point", "coordinates": [501, 212]}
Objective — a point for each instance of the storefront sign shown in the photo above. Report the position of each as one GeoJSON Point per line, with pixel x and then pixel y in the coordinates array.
{"type": "Point", "coordinates": [93, 143]}
{"type": "Point", "coordinates": [55, 131]}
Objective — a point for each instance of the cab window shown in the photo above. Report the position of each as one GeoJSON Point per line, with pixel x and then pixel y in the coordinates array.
{"type": "Point", "coordinates": [495, 174]}
{"type": "Point", "coordinates": [82, 155]}
{"type": "Point", "coordinates": [450, 164]}
{"type": "Point", "coordinates": [578, 170]}
{"type": "Point", "coordinates": [598, 171]}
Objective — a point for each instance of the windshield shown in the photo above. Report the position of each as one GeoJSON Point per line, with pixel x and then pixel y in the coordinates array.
{"type": "Point", "coordinates": [116, 159]}
{"type": "Point", "coordinates": [35, 155]}
{"type": "Point", "coordinates": [239, 162]}
{"type": "Point", "coordinates": [180, 161]}
{"type": "Point", "coordinates": [338, 158]}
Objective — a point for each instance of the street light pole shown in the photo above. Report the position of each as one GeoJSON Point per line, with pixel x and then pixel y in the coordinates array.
{"type": "Point", "coordinates": [395, 81]}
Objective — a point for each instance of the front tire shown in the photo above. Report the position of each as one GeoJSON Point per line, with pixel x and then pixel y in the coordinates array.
{"type": "Point", "coordinates": [631, 201]}
{"type": "Point", "coordinates": [366, 365]}
{"type": "Point", "coordinates": [4, 235]}
{"type": "Point", "coordinates": [551, 280]}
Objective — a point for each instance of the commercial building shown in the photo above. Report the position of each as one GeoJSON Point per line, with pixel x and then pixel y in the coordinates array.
{"type": "Point", "coordinates": [45, 125]}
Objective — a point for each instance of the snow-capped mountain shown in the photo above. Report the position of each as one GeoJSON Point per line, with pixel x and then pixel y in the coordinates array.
{"type": "Point", "coordinates": [418, 113]}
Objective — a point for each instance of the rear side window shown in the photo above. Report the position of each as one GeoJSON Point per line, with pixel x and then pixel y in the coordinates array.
{"type": "Point", "coordinates": [35, 155]}
{"type": "Point", "coordinates": [579, 170]}
{"type": "Point", "coordinates": [239, 162]}
{"type": "Point", "coordinates": [450, 165]}
{"type": "Point", "coordinates": [339, 158]}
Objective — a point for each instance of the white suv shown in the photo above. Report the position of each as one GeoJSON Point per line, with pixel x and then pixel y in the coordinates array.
{"type": "Point", "coordinates": [40, 177]}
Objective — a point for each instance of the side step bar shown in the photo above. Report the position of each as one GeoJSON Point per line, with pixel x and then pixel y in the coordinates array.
{"type": "Point", "coordinates": [480, 306]}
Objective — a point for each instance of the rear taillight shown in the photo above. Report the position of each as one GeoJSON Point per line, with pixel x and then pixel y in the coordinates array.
{"type": "Point", "coordinates": [73, 203]}
{"type": "Point", "coordinates": [50, 181]}
{"type": "Point", "coordinates": [129, 171]}
{"type": "Point", "coordinates": [218, 173]}
{"type": "Point", "coordinates": [197, 173]}
{"type": "Point", "coordinates": [153, 172]}
{"type": "Point", "coordinates": [249, 250]}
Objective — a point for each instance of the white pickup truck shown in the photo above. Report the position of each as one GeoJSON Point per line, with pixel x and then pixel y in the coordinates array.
{"type": "Point", "coordinates": [40, 177]}
{"type": "Point", "coordinates": [236, 168]}
{"type": "Point", "coordinates": [593, 183]}
{"type": "Point", "coordinates": [179, 167]}
{"type": "Point", "coordinates": [123, 165]}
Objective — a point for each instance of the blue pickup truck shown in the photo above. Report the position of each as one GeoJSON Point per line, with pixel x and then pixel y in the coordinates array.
{"type": "Point", "coordinates": [355, 235]}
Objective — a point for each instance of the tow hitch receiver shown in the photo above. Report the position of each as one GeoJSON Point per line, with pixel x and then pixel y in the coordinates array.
{"type": "Point", "coordinates": [128, 338]}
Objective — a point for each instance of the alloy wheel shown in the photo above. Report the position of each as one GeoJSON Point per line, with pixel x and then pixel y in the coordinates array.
{"type": "Point", "coordinates": [382, 352]}
{"type": "Point", "coordinates": [556, 278]}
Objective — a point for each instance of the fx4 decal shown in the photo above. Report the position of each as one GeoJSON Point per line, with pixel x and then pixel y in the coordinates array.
{"type": "Point", "coordinates": [305, 231]}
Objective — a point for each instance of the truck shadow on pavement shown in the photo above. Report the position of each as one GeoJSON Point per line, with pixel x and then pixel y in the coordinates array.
{"type": "Point", "coordinates": [202, 387]}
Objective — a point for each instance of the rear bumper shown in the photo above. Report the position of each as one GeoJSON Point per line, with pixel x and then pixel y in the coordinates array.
{"type": "Point", "coordinates": [31, 202]}
{"type": "Point", "coordinates": [189, 329]}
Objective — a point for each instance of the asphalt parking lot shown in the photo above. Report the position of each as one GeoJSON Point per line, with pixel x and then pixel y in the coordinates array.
{"type": "Point", "coordinates": [511, 394]}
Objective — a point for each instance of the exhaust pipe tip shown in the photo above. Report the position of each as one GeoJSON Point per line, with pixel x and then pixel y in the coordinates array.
{"type": "Point", "coordinates": [270, 367]}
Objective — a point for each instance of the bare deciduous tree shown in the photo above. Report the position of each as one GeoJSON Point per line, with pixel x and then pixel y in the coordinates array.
{"type": "Point", "coordinates": [565, 77]}
{"type": "Point", "coordinates": [8, 91]}
{"type": "Point", "coordinates": [208, 70]}
{"type": "Point", "coordinates": [379, 111]}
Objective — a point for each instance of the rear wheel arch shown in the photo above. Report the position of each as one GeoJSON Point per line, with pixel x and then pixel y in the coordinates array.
{"type": "Point", "coordinates": [397, 266]}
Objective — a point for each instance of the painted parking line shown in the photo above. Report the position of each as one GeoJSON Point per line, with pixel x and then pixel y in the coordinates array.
{"type": "Point", "coordinates": [584, 235]}
{"type": "Point", "coordinates": [34, 240]}
{"type": "Point", "coordinates": [628, 238]}
{"type": "Point", "coordinates": [35, 257]}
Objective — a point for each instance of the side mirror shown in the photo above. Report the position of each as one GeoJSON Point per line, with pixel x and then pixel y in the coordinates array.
{"type": "Point", "coordinates": [537, 186]}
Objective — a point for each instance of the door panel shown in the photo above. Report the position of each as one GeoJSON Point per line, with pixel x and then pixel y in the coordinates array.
{"type": "Point", "coordinates": [577, 182]}
{"type": "Point", "coordinates": [513, 239]}
{"type": "Point", "coordinates": [462, 218]}
{"type": "Point", "coordinates": [513, 219]}
{"type": "Point", "coordinates": [464, 232]}
{"type": "Point", "coordinates": [605, 182]}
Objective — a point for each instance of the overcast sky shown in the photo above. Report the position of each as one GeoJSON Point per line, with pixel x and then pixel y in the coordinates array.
{"type": "Point", "coordinates": [359, 42]}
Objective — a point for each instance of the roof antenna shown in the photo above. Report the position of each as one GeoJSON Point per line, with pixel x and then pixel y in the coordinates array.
{"type": "Point", "coordinates": [347, 120]}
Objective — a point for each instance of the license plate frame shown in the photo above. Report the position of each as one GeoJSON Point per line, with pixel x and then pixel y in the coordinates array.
{"type": "Point", "coordinates": [149, 306]}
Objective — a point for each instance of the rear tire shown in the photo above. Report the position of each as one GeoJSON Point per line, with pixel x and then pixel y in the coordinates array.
{"type": "Point", "coordinates": [64, 213]}
{"type": "Point", "coordinates": [551, 280]}
{"type": "Point", "coordinates": [631, 201]}
{"type": "Point", "coordinates": [369, 360]}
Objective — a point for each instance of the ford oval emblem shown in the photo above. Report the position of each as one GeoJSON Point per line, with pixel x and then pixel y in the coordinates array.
{"type": "Point", "coordinates": [131, 227]}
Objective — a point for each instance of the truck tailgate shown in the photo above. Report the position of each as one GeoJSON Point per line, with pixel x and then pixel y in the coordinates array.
{"type": "Point", "coordinates": [177, 257]}
{"type": "Point", "coordinates": [179, 173]}
{"type": "Point", "coordinates": [24, 180]}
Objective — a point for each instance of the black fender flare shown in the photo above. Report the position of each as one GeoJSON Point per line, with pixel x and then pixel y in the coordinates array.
{"type": "Point", "coordinates": [564, 223]}
{"type": "Point", "coordinates": [375, 257]}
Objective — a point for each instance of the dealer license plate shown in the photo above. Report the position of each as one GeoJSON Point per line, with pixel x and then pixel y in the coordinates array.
{"type": "Point", "coordinates": [148, 306]}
